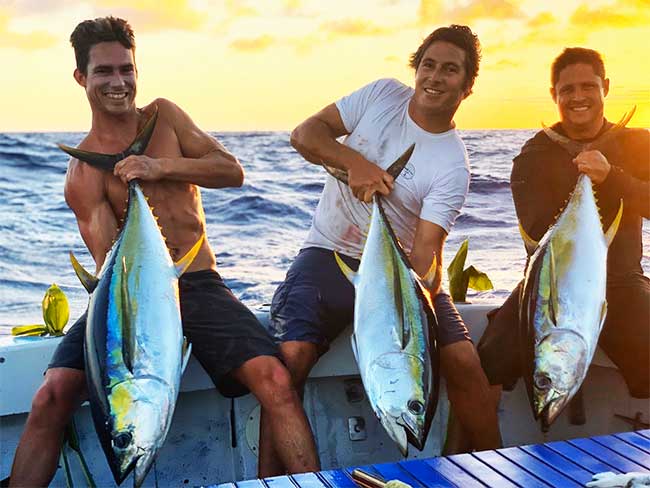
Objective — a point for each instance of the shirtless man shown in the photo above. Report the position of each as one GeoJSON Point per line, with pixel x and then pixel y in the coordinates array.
{"type": "Point", "coordinates": [226, 338]}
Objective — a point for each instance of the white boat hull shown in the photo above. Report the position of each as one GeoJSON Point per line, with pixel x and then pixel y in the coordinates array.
{"type": "Point", "coordinates": [210, 442]}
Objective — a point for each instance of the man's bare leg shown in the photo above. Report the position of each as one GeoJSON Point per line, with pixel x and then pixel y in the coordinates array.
{"type": "Point", "coordinates": [469, 395]}
{"type": "Point", "coordinates": [284, 422]}
{"type": "Point", "coordinates": [38, 451]}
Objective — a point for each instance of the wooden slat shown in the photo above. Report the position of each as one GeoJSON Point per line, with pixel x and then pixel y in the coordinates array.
{"type": "Point", "coordinates": [580, 457]}
{"type": "Point", "coordinates": [480, 471]}
{"type": "Point", "coordinates": [607, 455]}
{"type": "Point", "coordinates": [392, 471]}
{"type": "Point", "coordinates": [542, 470]}
{"type": "Point", "coordinates": [644, 433]}
{"type": "Point", "coordinates": [624, 449]}
{"type": "Point", "coordinates": [453, 472]}
{"type": "Point", "coordinates": [337, 478]}
{"type": "Point", "coordinates": [510, 470]}
{"type": "Point", "coordinates": [560, 463]}
{"type": "Point", "coordinates": [636, 440]}
{"type": "Point", "coordinates": [308, 480]}
{"type": "Point", "coordinates": [223, 485]}
{"type": "Point", "coordinates": [426, 475]}
{"type": "Point", "coordinates": [251, 484]}
{"type": "Point", "coordinates": [279, 482]}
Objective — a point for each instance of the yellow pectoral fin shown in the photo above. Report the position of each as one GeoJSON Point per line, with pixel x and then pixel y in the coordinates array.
{"type": "Point", "coordinates": [529, 242]}
{"type": "Point", "coordinates": [611, 232]}
{"type": "Point", "coordinates": [345, 269]}
{"type": "Point", "coordinates": [88, 280]}
{"type": "Point", "coordinates": [183, 263]}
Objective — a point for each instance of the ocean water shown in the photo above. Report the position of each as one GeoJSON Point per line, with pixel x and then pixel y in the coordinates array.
{"type": "Point", "coordinates": [255, 230]}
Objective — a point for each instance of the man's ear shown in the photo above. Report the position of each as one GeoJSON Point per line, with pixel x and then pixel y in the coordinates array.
{"type": "Point", "coordinates": [553, 94]}
{"type": "Point", "coordinates": [605, 86]}
{"type": "Point", "coordinates": [79, 77]}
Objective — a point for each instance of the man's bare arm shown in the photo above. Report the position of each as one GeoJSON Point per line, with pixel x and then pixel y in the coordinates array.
{"type": "Point", "coordinates": [429, 242]}
{"type": "Point", "coordinates": [85, 194]}
{"type": "Point", "coordinates": [204, 161]}
{"type": "Point", "coordinates": [315, 140]}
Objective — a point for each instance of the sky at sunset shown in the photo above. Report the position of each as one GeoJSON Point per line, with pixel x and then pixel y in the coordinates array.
{"type": "Point", "coordinates": [268, 64]}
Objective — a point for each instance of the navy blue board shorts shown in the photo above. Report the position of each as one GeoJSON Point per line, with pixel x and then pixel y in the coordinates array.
{"type": "Point", "coordinates": [224, 333]}
{"type": "Point", "coordinates": [316, 302]}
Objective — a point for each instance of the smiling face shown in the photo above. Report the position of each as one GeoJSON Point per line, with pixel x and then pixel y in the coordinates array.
{"type": "Point", "coordinates": [440, 84]}
{"type": "Point", "coordinates": [580, 96]}
{"type": "Point", "coordinates": [111, 78]}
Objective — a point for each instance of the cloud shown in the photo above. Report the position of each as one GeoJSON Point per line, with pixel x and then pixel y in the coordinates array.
{"type": "Point", "coordinates": [541, 20]}
{"type": "Point", "coordinates": [429, 12]}
{"type": "Point", "coordinates": [253, 45]}
{"type": "Point", "coordinates": [29, 41]}
{"type": "Point", "coordinates": [155, 15]}
{"type": "Point", "coordinates": [621, 14]}
{"type": "Point", "coordinates": [239, 8]}
{"type": "Point", "coordinates": [353, 27]}
{"type": "Point", "coordinates": [486, 9]}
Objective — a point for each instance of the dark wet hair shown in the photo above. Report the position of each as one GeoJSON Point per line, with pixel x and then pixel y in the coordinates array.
{"type": "Point", "coordinates": [461, 36]}
{"type": "Point", "coordinates": [103, 29]}
{"type": "Point", "coordinates": [576, 55]}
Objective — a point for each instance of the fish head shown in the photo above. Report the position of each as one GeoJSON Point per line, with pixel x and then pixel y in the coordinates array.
{"type": "Point", "coordinates": [402, 400]}
{"type": "Point", "coordinates": [560, 367]}
{"type": "Point", "coordinates": [139, 427]}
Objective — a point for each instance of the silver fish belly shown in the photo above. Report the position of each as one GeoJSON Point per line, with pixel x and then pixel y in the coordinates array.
{"type": "Point", "coordinates": [394, 337]}
{"type": "Point", "coordinates": [563, 304]}
{"type": "Point", "coordinates": [134, 343]}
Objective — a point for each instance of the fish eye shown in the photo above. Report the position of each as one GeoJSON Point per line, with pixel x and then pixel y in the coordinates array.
{"type": "Point", "coordinates": [543, 382]}
{"type": "Point", "coordinates": [122, 440]}
{"type": "Point", "coordinates": [415, 407]}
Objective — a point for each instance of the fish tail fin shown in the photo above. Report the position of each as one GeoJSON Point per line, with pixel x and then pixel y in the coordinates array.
{"type": "Point", "coordinates": [183, 263]}
{"type": "Point", "coordinates": [529, 242]}
{"type": "Point", "coordinates": [88, 280]}
{"type": "Point", "coordinates": [345, 269]}
{"type": "Point", "coordinates": [107, 162]}
{"type": "Point", "coordinates": [613, 228]}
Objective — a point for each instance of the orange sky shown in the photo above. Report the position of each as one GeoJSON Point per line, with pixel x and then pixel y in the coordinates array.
{"type": "Point", "coordinates": [251, 65]}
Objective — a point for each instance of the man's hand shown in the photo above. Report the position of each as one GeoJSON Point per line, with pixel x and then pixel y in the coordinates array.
{"type": "Point", "coordinates": [140, 167]}
{"type": "Point", "coordinates": [593, 164]}
{"type": "Point", "coordinates": [366, 179]}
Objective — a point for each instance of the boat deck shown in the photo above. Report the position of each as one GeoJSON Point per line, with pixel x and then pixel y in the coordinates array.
{"type": "Point", "coordinates": [556, 464]}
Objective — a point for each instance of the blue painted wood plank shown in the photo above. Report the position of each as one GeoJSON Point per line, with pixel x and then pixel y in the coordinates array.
{"type": "Point", "coordinates": [337, 478]}
{"type": "Point", "coordinates": [425, 474]}
{"type": "Point", "coordinates": [308, 480]}
{"type": "Point", "coordinates": [607, 455]}
{"type": "Point", "coordinates": [392, 471]}
{"type": "Point", "coordinates": [223, 485]}
{"type": "Point", "coordinates": [509, 469]}
{"type": "Point", "coordinates": [644, 433]}
{"type": "Point", "coordinates": [481, 471]}
{"type": "Point", "coordinates": [624, 449]}
{"type": "Point", "coordinates": [560, 463]}
{"type": "Point", "coordinates": [279, 482]}
{"type": "Point", "coordinates": [453, 472]}
{"type": "Point", "coordinates": [636, 440]}
{"type": "Point", "coordinates": [580, 457]}
{"type": "Point", "coordinates": [251, 484]}
{"type": "Point", "coordinates": [544, 471]}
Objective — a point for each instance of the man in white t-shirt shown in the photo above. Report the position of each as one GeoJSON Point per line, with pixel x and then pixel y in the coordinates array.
{"type": "Point", "coordinates": [380, 121]}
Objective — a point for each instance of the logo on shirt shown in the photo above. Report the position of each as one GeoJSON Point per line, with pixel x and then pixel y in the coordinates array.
{"type": "Point", "coordinates": [408, 172]}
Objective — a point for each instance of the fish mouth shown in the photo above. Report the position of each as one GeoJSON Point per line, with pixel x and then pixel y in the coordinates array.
{"type": "Point", "coordinates": [550, 406]}
{"type": "Point", "coordinates": [143, 465]}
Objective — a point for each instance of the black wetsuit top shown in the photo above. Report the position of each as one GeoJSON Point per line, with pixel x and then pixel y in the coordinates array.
{"type": "Point", "coordinates": [543, 177]}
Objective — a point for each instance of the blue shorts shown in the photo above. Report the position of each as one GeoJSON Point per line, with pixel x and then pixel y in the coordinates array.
{"type": "Point", "coordinates": [316, 302]}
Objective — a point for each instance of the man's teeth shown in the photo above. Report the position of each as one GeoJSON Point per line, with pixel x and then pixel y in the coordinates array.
{"type": "Point", "coordinates": [116, 96]}
{"type": "Point", "coordinates": [580, 109]}
{"type": "Point", "coordinates": [432, 91]}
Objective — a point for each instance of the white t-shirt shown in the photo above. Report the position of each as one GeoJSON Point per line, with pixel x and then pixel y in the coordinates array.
{"type": "Point", "coordinates": [432, 186]}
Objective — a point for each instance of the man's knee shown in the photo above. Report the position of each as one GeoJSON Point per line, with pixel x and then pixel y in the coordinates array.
{"type": "Point", "coordinates": [273, 386]}
{"type": "Point", "coordinates": [58, 397]}
{"type": "Point", "coordinates": [300, 357]}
